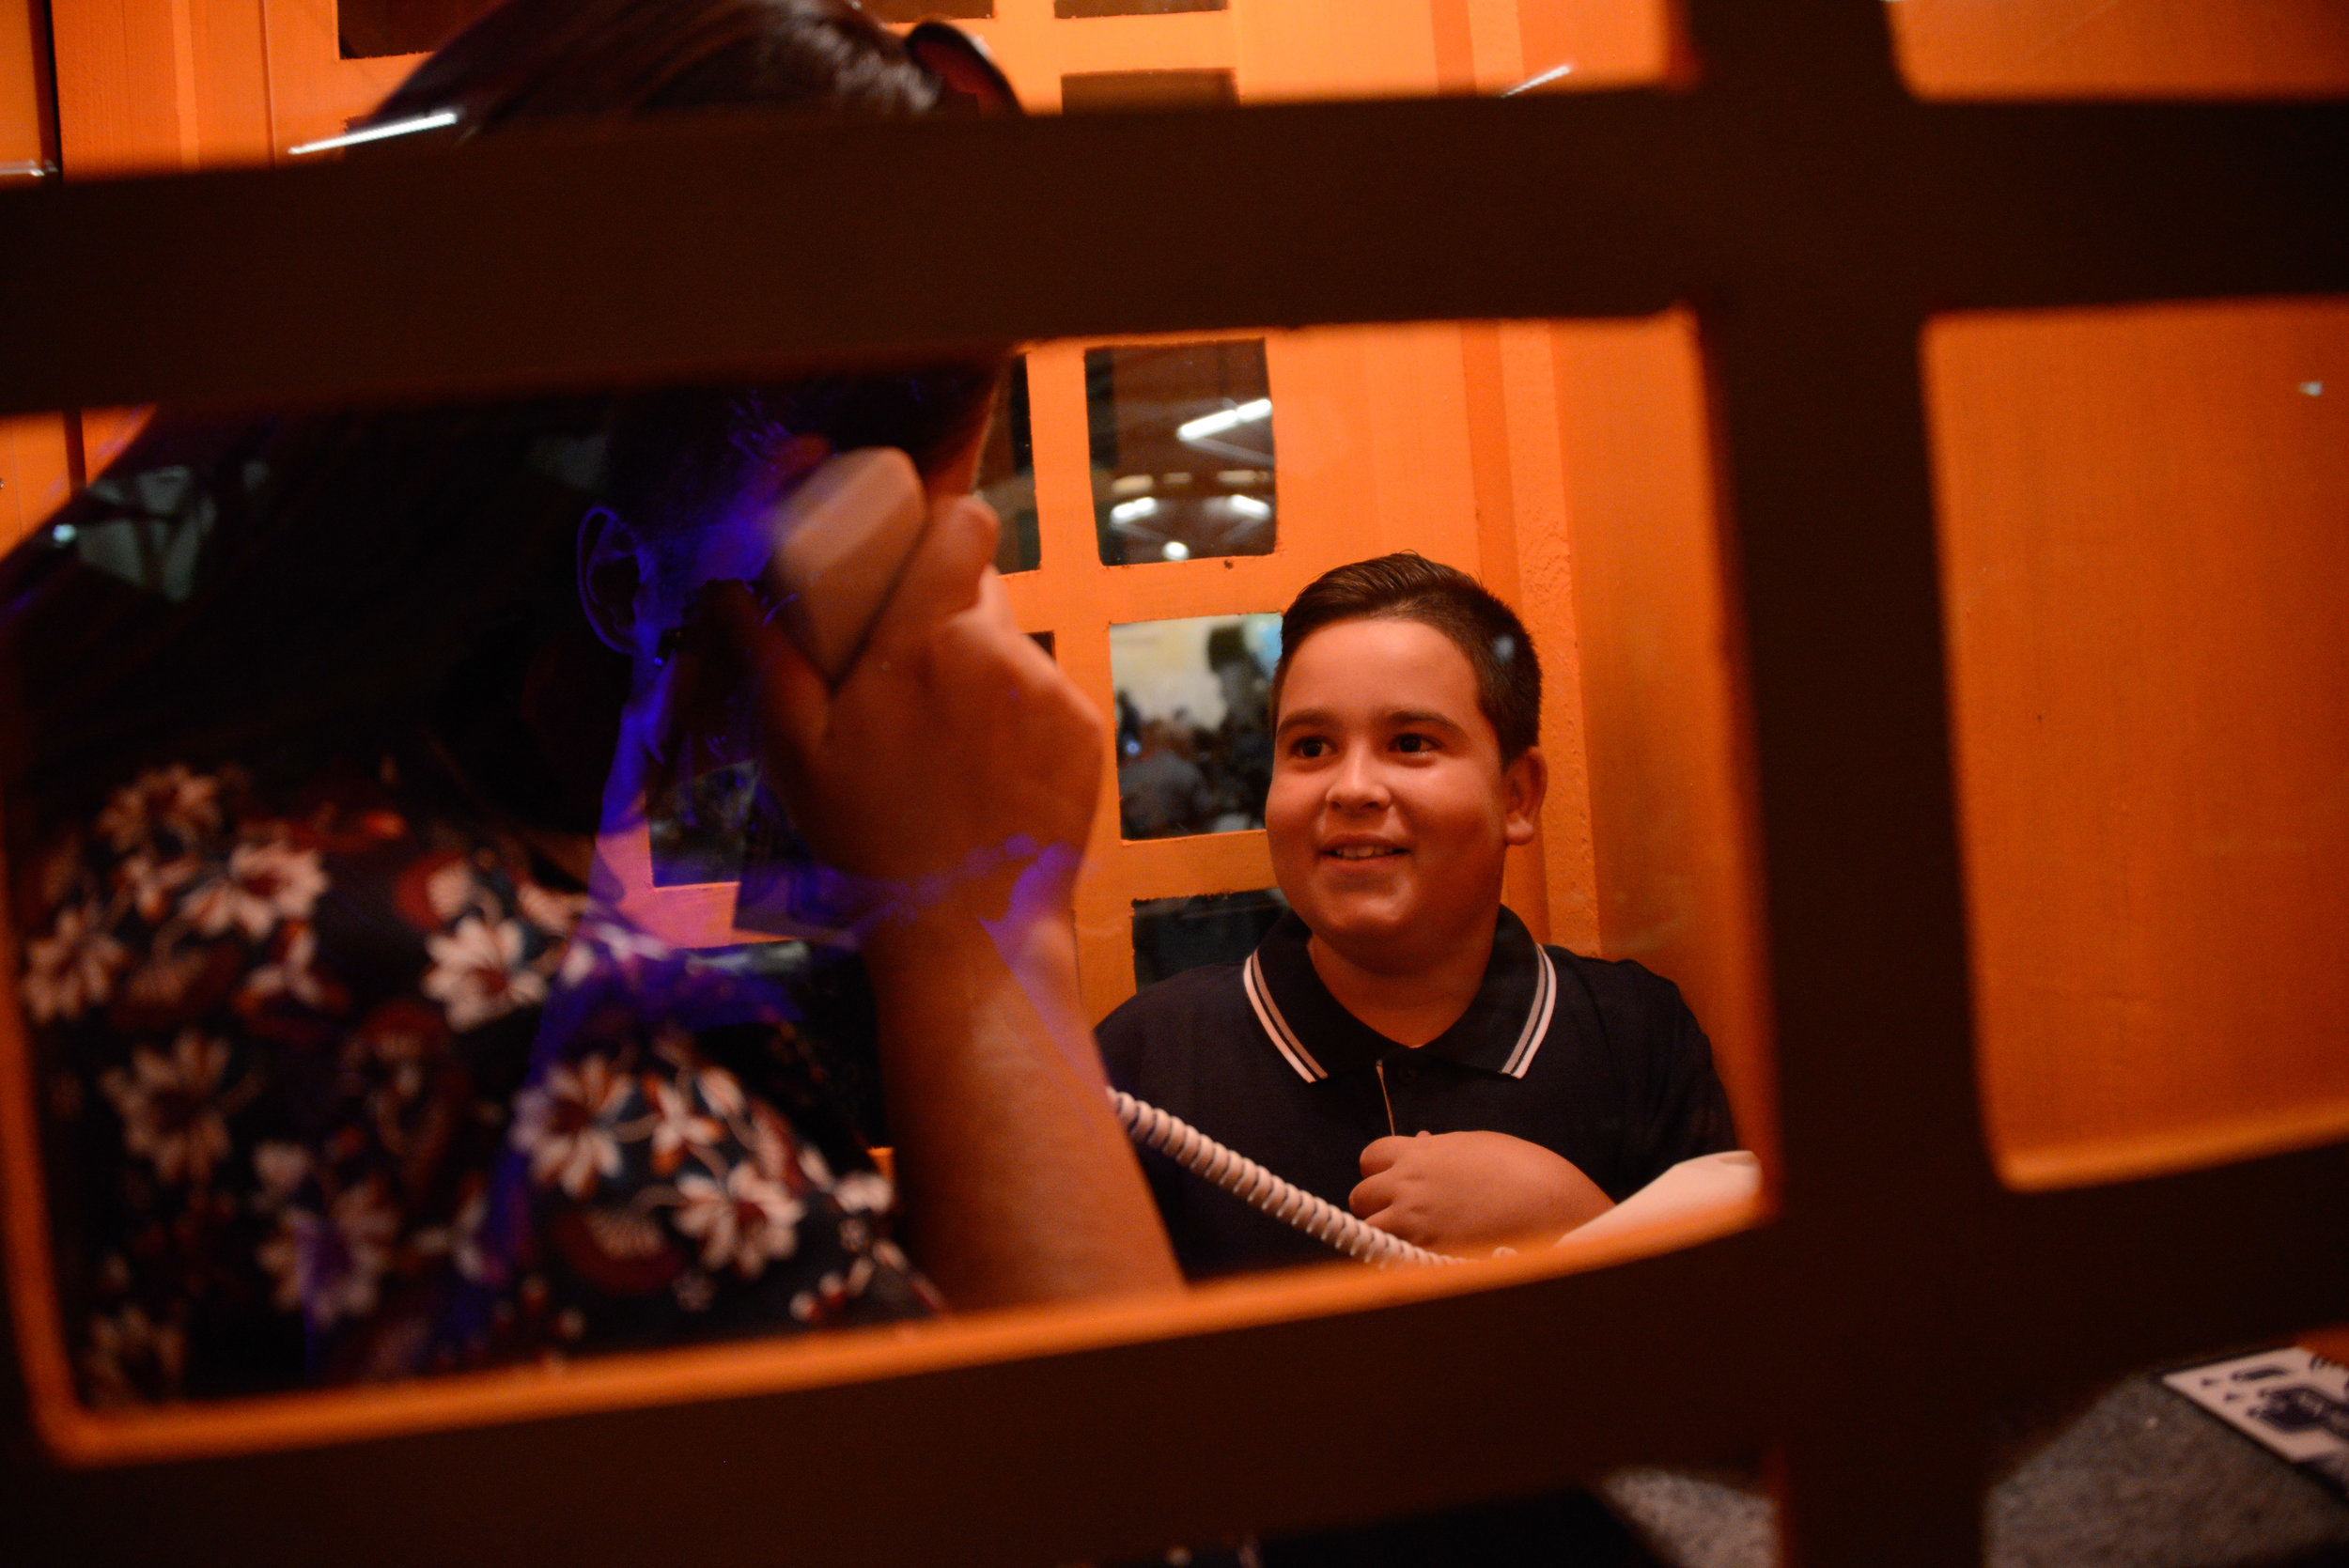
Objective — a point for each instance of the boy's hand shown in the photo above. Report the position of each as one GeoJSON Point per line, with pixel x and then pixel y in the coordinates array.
{"type": "Point", "coordinates": [1471, 1191]}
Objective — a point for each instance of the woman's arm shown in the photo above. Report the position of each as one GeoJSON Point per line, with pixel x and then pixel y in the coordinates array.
{"type": "Point", "coordinates": [958, 769]}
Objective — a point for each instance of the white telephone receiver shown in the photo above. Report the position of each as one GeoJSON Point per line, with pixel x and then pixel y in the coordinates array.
{"type": "Point", "coordinates": [841, 540]}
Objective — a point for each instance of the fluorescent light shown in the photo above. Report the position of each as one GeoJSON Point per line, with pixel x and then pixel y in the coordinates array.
{"type": "Point", "coordinates": [1247, 506]}
{"type": "Point", "coordinates": [1175, 550]}
{"type": "Point", "coordinates": [1131, 484]}
{"type": "Point", "coordinates": [389, 129]}
{"type": "Point", "coordinates": [1126, 511]}
{"type": "Point", "coordinates": [1531, 82]}
{"type": "Point", "coordinates": [1223, 419]}
{"type": "Point", "coordinates": [1243, 476]}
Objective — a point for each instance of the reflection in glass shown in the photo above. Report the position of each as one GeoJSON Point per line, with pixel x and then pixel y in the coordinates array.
{"type": "Point", "coordinates": [1171, 935]}
{"type": "Point", "coordinates": [1007, 474]}
{"type": "Point", "coordinates": [1088, 91]}
{"type": "Point", "coordinates": [1133, 7]}
{"type": "Point", "coordinates": [370, 29]}
{"type": "Point", "coordinates": [1181, 438]}
{"type": "Point", "coordinates": [1194, 746]}
{"type": "Point", "coordinates": [697, 829]}
{"type": "Point", "coordinates": [923, 10]}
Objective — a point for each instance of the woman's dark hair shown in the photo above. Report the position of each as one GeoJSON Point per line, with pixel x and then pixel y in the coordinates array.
{"type": "Point", "coordinates": [1409, 587]}
{"type": "Point", "coordinates": [226, 582]}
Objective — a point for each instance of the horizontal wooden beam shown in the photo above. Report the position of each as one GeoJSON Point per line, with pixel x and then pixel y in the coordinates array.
{"type": "Point", "coordinates": [710, 247]}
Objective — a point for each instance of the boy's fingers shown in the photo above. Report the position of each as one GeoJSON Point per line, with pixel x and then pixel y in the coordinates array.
{"type": "Point", "coordinates": [1383, 1152]}
{"type": "Point", "coordinates": [1371, 1197]}
{"type": "Point", "coordinates": [943, 579]}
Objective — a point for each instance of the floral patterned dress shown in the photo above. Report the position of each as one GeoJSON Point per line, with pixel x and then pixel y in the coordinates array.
{"type": "Point", "coordinates": [338, 1088]}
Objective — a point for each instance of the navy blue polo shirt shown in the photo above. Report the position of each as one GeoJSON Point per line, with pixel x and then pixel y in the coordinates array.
{"type": "Point", "coordinates": [1599, 1061]}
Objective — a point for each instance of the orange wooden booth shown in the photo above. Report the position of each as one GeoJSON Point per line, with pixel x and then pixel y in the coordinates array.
{"type": "Point", "coordinates": [2139, 516]}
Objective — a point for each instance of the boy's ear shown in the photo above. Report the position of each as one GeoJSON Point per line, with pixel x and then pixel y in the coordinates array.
{"type": "Point", "coordinates": [1523, 785]}
{"type": "Point", "coordinates": [608, 578]}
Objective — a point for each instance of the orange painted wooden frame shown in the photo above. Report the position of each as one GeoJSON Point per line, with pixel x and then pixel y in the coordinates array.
{"type": "Point", "coordinates": [1894, 1258]}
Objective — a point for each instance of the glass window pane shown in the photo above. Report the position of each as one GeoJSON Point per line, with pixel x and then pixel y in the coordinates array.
{"type": "Point", "coordinates": [698, 831]}
{"type": "Point", "coordinates": [1181, 437]}
{"type": "Point", "coordinates": [1171, 935]}
{"type": "Point", "coordinates": [1133, 7]}
{"type": "Point", "coordinates": [368, 29]}
{"type": "Point", "coordinates": [1082, 92]}
{"type": "Point", "coordinates": [921, 10]}
{"type": "Point", "coordinates": [1194, 751]}
{"type": "Point", "coordinates": [1007, 474]}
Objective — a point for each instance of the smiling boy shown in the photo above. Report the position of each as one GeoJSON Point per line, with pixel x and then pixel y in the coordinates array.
{"type": "Point", "coordinates": [1398, 1042]}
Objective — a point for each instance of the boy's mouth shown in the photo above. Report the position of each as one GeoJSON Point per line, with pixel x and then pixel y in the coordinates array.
{"type": "Point", "coordinates": [1362, 851]}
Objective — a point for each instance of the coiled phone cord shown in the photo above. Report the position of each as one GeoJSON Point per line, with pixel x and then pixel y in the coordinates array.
{"type": "Point", "coordinates": [1253, 1184]}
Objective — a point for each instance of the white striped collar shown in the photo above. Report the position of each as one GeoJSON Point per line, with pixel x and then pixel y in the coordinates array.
{"type": "Point", "coordinates": [1518, 961]}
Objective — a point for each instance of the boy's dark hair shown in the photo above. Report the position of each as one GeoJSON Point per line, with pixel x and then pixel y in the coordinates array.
{"type": "Point", "coordinates": [1409, 587]}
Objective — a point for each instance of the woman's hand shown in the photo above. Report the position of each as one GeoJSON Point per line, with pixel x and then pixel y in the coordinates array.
{"type": "Point", "coordinates": [958, 769]}
{"type": "Point", "coordinates": [1465, 1191]}
{"type": "Point", "coordinates": [955, 744]}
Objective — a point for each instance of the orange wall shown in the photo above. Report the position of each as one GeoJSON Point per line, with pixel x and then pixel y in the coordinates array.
{"type": "Point", "coordinates": [2145, 520]}
{"type": "Point", "coordinates": [32, 451]}
{"type": "Point", "coordinates": [1639, 577]}
{"type": "Point", "coordinates": [2099, 49]}
{"type": "Point", "coordinates": [2143, 531]}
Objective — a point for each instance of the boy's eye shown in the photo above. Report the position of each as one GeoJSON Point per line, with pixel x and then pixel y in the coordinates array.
{"type": "Point", "coordinates": [1309, 746]}
{"type": "Point", "coordinates": [1409, 741]}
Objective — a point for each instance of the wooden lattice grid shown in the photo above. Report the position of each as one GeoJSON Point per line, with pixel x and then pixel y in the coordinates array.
{"type": "Point", "coordinates": [1817, 214]}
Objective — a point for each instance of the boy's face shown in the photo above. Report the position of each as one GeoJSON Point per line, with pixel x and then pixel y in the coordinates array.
{"type": "Point", "coordinates": [1390, 814]}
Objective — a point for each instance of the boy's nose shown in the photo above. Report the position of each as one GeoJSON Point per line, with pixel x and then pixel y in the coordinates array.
{"type": "Point", "coordinates": [1357, 784]}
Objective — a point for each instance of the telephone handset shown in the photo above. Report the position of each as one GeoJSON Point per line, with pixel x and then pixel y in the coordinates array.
{"type": "Point", "coordinates": [840, 540]}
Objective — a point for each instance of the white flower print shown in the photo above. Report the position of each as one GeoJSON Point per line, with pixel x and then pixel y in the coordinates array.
{"type": "Point", "coordinates": [770, 1145]}
{"type": "Point", "coordinates": [478, 974]}
{"type": "Point", "coordinates": [263, 884]}
{"type": "Point", "coordinates": [328, 1264]}
{"type": "Point", "coordinates": [678, 1129]}
{"type": "Point", "coordinates": [863, 1192]}
{"type": "Point", "coordinates": [163, 979]}
{"type": "Point", "coordinates": [746, 1223]}
{"type": "Point", "coordinates": [170, 797]}
{"type": "Point", "coordinates": [151, 884]}
{"type": "Point", "coordinates": [281, 1168]}
{"type": "Point", "coordinates": [720, 1092]}
{"type": "Point", "coordinates": [597, 944]}
{"type": "Point", "coordinates": [129, 1349]}
{"type": "Point", "coordinates": [291, 976]}
{"type": "Point", "coordinates": [555, 913]}
{"type": "Point", "coordinates": [73, 969]}
{"type": "Point", "coordinates": [625, 1232]}
{"type": "Point", "coordinates": [814, 1166]}
{"type": "Point", "coordinates": [565, 1124]}
{"type": "Point", "coordinates": [450, 890]}
{"type": "Point", "coordinates": [169, 1114]}
{"type": "Point", "coordinates": [460, 1240]}
{"type": "Point", "coordinates": [465, 1250]}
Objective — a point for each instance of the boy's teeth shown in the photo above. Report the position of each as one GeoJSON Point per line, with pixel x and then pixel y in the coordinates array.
{"type": "Point", "coordinates": [1360, 851]}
